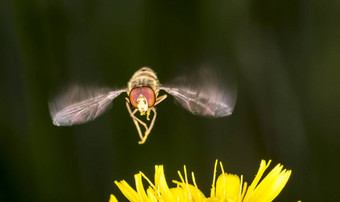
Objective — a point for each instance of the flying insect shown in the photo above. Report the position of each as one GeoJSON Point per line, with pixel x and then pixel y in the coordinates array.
{"type": "Point", "coordinates": [201, 94]}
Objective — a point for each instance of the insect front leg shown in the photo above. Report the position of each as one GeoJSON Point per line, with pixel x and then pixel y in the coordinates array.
{"type": "Point", "coordinates": [147, 132]}
{"type": "Point", "coordinates": [136, 121]}
{"type": "Point", "coordinates": [160, 99]}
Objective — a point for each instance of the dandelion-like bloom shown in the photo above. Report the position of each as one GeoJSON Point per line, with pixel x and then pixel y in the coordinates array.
{"type": "Point", "coordinates": [228, 187]}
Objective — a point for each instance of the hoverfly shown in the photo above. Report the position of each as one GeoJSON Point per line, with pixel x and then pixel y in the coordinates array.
{"type": "Point", "coordinates": [200, 94]}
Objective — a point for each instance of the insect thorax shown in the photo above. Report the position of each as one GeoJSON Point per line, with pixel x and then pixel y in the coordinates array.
{"type": "Point", "coordinates": [144, 77]}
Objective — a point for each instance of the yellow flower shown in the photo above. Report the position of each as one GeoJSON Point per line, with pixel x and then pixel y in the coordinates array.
{"type": "Point", "coordinates": [228, 187]}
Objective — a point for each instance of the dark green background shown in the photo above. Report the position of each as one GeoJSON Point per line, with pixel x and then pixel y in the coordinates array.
{"type": "Point", "coordinates": [285, 56]}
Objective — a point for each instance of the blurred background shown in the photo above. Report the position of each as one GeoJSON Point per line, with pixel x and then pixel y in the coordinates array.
{"type": "Point", "coordinates": [284, 56]}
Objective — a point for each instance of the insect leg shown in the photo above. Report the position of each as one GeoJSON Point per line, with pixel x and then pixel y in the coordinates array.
{"type": "Point", "coordinates": [132, 114]}
{"type": "Point", "coordinates": [136, 121]}
{"type": "Point", "coordinates": [160, 99]}
{"type": "Point", "coordinates": [147, 132]}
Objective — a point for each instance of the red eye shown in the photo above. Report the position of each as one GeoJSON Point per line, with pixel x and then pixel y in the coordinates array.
{"type": "Point", "coordinates": [146, 91]}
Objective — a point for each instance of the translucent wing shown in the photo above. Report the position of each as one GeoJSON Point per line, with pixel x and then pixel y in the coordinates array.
{"type": "Point", "coordinates": [203, 93]}
{"type": "Point", "coordinates": [80, 105]}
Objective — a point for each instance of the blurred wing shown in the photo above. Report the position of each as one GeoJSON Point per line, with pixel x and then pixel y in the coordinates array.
{"type": "Point", "coordinates": [80, 105]}
{"type": "Point", "coordinates": [203, 94]}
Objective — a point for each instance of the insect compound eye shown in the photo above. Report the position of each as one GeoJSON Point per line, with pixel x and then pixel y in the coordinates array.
{"type": "Point", "coordinates": [146, 91]}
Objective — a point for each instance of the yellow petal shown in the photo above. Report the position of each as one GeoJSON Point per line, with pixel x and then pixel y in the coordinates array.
{"type": "Point", "coordinates": [178, 194]}
{"type": "Point", "coordinates": [228, 187]}
{"type": "Point", "coordinates": [140, 188]}
{"type": "Point", "coordinates": [271, 185]}
{"type": "Point", "coordinates": [187, 192]}
{"type": "Point", "coordinates": [113, 198]}
{"type": "Point", "coordinates": [280, 183]}
{"type": "Point", "coordinates": [212, 191]}
{"type": "Point", "coordinates": [128, 192]}
{"type": "Point", "coordinates": [263, 167]}
{"type": "Point", "coordinates": [160, 183]}
{"type": "Point", "coordinates": [152, 194]}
